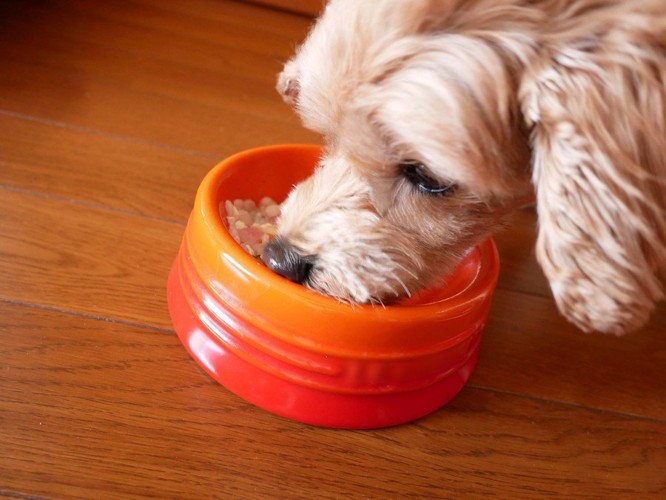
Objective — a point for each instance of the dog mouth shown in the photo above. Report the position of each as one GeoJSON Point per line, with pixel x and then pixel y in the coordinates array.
{"type": "Point", "coordinates": [378, 279]}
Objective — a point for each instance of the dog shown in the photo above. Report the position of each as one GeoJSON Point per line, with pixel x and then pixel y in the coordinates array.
{"type": "Point", "coordinates": [442, 117]}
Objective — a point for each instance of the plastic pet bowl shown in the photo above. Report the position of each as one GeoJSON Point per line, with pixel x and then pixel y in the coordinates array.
{"type": "Point", "coordinates": [305, 356]}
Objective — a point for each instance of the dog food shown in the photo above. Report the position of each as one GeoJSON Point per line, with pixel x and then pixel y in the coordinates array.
{"type": "Point", "coordinates": [252, 225]}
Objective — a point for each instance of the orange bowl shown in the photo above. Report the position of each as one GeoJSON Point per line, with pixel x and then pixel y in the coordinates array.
{"type": "Point", "coordinates": [300, 354]}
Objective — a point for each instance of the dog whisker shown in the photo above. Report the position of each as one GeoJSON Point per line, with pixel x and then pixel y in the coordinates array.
{"type": "Point", "coordinates": [402, 283]}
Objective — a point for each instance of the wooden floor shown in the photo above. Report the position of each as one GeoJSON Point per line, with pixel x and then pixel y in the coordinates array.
{"type": "Point", "coordinates": [110, 114]}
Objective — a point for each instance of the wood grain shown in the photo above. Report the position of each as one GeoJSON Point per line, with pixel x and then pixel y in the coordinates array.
{"type": "Point", "coordinates": [99, 170]}
{"type": "Point", "coordinates": [122, 410]}
{"type": "Point", "coordinates": [111, 112]}
{"type": "Point", "coordinates": [528, 348]}
{"type": "Point", "coordinates": [85, 259]}
{"type": "Point", "coordinates": [160, 93]}
{"type": "Point", "coordinates": [307, 7]}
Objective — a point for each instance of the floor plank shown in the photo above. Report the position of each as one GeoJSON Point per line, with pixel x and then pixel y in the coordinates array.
{"type": "Point", "coordinates": [85, 259]}
{"type": "Point", "coordinates": [305, 7]}
{"type": "Point", "coordinates": [519, 270]}
{"type": "Point", "coordinates": [172, 56]}
{"type": "Point", "coordinates": [105, 384]}
{"type": "Point", "coordinates": [528, 348]}
{"type": "Point", "coordinates": [100, 170]}
{"type": "Point", "coordinates": [74, 81]}
{"type": "Point", "coordinates": [158, 119]}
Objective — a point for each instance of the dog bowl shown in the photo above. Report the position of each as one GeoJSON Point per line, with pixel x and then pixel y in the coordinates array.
{"type": "Point", "coordinates": [305, 356]}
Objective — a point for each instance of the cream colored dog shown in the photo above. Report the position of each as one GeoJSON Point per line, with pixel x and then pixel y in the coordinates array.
{"type": "Point", "coordinates": [441, 117]}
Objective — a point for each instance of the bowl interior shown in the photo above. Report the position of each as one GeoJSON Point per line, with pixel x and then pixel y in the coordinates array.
{"type": "Point", "coordinates": [269, 171]}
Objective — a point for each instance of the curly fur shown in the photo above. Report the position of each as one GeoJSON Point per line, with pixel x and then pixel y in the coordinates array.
{"type": "Point", "coordinates": [561, 101]}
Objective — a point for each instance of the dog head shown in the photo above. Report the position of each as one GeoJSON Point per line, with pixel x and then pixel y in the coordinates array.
{"type": "Point", "coordinates": [432, 113]}
{"type": "Point", "coordinates": [423, 155]}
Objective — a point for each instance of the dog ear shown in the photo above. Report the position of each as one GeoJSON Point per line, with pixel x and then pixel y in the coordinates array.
{"type": "Point", "coordinates": [288, 85]}
{"type": "Point", "coordinates": [599, 169]}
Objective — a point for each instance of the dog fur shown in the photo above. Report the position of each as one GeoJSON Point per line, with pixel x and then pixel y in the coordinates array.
{"type": "Point", "coordinates": [500, 103]}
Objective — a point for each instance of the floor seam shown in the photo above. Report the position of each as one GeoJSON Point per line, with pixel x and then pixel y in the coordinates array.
{"type": "Point", "coordinates": [80, 314]}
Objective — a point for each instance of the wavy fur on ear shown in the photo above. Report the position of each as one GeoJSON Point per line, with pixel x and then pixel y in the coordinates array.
{"type": "Point", "coordinates": [598, 112]}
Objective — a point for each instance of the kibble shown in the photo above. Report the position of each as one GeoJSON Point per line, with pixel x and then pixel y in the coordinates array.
{"type": "Point", "coordinates": [251, 225]}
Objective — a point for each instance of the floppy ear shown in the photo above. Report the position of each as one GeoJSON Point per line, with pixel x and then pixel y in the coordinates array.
{"type": "Point", "coordinates": [599, 169]}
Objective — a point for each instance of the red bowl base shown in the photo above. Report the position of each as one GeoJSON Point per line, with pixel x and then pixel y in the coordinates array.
{"type": "Point", "coordinates": [297, 402]}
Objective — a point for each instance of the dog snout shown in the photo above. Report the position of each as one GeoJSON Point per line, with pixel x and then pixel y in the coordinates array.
{"type": "Point", "coordinates": [285, 260]}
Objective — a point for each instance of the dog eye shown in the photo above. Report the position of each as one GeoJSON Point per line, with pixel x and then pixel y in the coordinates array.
{"type": "Point", "coordinates": [417, 174]}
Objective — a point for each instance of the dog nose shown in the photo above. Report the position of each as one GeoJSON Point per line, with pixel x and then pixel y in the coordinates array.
{"type": "Point", "coordinates": [283, 258]}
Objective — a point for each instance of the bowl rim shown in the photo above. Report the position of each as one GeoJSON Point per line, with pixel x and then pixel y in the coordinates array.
{"type": "Point", "coordinates": [207, 202]}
